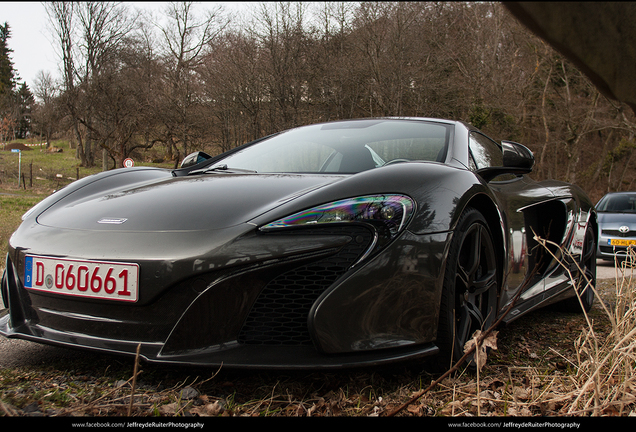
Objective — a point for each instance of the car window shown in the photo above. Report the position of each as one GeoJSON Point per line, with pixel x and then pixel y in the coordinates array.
{"type": "Point", "coordinates": [622, 203]}
{"type": "Point", "coordinates": [417, 148]}
{"type": "Point", "coordinates": [484, 151]}
{"type": "Point", "coordinates": [345, 147]}
{"type": "Point", "coordinates": [300, 156]}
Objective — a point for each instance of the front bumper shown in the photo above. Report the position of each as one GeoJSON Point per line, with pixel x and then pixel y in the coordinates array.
{"type": "Point", "coordinates": [223, 317]}
{"type": "Point", "coordinates": [609, 252]}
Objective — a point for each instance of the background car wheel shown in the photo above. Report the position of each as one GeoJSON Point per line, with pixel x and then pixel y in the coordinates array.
{"type": "Point", "coordinates": [469, 297]}
{"type": "Point", "coordinates": [588, 266]}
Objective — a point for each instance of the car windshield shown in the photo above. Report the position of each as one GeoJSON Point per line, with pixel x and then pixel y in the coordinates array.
{"type": "Point", "coordinates": [345, 147]}
{"type": "Point", "coordinates": [618, 203]}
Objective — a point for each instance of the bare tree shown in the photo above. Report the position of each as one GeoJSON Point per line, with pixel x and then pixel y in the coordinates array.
{"type": "Point", "coordinates": [334, 84]}
{"type": "Point", "coordinates": [46, 114]}
{"type": "Point", "coordinates": [89, 34]}
{"type": "Point", "coordinates": [61, 17]}
{"type": "Point", "coordinates": [234, 90]}
{"type": "Point", "coordinates": [283, 37]}
{"type": "Point", "coordinates": [124, 115]}
{"type": "Point", "coordinates": [186, 39]}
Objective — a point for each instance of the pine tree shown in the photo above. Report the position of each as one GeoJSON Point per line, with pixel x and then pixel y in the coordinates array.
{"type": "Point", "coordinates": [7, 78]}
{"type": "Point", "coordinates": [16, 100]}
{"type": "Point", "coordinates": [24, 102]}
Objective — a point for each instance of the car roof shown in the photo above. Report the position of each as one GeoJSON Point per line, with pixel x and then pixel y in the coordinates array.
{"type": "Point", "coordinates": [429, 119]}
{"type": "Point", "coordinates": [622, 193]}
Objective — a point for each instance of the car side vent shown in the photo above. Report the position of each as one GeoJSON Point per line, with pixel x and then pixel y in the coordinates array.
{"type": "Point", "coordinates": [279, 315]}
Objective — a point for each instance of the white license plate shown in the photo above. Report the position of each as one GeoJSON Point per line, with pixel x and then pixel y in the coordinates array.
{"type": "Point", "coordinates": [92, 279]}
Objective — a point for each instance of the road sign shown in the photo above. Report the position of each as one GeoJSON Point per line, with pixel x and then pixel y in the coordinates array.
{"type": "Point", "coordinates": [129, 163]}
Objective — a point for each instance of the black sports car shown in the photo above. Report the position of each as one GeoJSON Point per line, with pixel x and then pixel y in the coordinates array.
{"type": "Point", "coordinates": [356, 242]}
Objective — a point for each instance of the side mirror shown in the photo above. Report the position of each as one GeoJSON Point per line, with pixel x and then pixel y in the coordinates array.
{"type": "Point", "coordinates": [517, 159]}
{"type": "Point", "coordinates": [517, 156]}
{"type": "Point", "coordinates": [194, 158]}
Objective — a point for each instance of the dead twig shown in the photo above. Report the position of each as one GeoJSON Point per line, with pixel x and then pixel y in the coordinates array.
{"type": "Point", "coordinates": [134, 381]}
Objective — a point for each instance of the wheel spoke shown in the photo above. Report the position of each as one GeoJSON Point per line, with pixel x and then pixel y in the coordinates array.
{"type": "Point", "coordinates": [474, 252]}
{"type": "Point", "coordinates": [474, 271]}
{"type": "Point", "coordinates": [464, 326]}
{"type": "Point", "coordinates": [470, 320]}
{"type": "Point", "coordinates": [485, 283]}
{"type": "Point", "coordinates": [463, 280]}
{"type": "Point", "coordinates": [475, 314]}
{"type": "Point", "coordinates": [469, 258]}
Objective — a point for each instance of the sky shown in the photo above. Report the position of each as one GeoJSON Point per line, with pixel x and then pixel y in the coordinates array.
{"type": "Point", "coordinates": [31, 38]}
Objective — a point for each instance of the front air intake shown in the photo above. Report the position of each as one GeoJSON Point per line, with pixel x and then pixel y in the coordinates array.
{"type": "Point", "coordinates": [279, 314]}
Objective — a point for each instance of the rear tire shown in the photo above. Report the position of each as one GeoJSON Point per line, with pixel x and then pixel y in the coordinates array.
{"type": "Point", "coordinates": [471, 284]}
{"type": "Point", "coordinates": [588, 267]}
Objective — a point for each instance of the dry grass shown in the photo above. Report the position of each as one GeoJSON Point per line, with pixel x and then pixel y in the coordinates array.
{"type": "Point", "coordinates": [605, 382]}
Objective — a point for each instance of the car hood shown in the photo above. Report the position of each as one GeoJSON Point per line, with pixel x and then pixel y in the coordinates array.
{"type": "Point", "coordinates": [617, 219]}
{"type": "Point", "coordinates": [166, 203]}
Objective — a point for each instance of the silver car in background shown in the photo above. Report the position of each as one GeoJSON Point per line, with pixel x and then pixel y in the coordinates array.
{"type": "Point", "coordinates": [617, 225]}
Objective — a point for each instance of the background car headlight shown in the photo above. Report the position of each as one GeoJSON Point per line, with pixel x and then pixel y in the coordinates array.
{"type": "Point", "coordinates": [389, 214]}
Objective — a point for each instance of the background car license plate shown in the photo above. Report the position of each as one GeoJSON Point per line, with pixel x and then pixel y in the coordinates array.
{"type": "Point", "coordinates": [94, 279]}
{"type": "Point", "coordinates": [621, 242]}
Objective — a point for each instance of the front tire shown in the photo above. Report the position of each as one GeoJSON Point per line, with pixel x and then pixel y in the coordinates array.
{"type": "Point", "coordinates": [471, 284]}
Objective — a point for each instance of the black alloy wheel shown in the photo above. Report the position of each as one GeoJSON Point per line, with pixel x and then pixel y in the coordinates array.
{"type": "Point", "coordinates": [471, 282]}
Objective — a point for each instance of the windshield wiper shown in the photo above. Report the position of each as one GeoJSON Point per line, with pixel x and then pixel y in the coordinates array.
{"type": "Point", "coordinates": [220, 168]}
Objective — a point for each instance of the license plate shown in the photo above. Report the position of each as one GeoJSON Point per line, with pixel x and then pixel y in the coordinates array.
{"type": "Point", "coordinates": [92, 279]}
{"type": "Point", "coordinates": [621, 242]}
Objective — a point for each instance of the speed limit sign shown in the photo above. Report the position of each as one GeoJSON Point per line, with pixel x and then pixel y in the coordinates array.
{"type": "Point", "coordinates": [128, 163]}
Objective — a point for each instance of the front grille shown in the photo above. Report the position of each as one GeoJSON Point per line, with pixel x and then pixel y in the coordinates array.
{"type": "Point", "coordinates": [617, 233]}
{"type": "Point", "coordinates": [279, 315]}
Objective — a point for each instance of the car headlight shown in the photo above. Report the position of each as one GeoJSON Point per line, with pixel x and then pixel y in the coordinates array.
{"type": "Point", "coordinates": [389, 214]}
